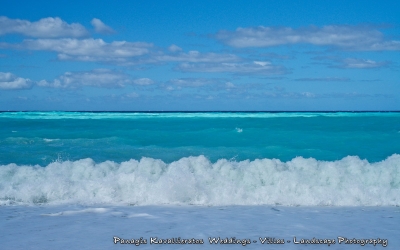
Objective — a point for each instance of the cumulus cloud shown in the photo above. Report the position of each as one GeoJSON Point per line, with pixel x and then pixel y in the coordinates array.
{"type": "Point", "coordinates": [291, 95]}
{"type": "Point", "coordinates": [143, 81]}
{"type": "Point", "coordinates": [174, 48]}
{"type": "Point", "coordinates": [361, 63]}
{"type": "Point", "coordinates": [230, 85]}
{"type": "Point", "coordinates": [9, 81]}
{"type": "Point", "coordinates": [88, 49]}
{"type": "Point", "coordinates": [196, 56]}
{"type": "Point", "coordinates": [350, 63]}
{"type": "Point", "coordinates": [132, 95]}
{"type": "Point", "coordinates": [100, 27]}
{"type": "Point", "coordinates": [121, 52]}
{"type": "Point", "coordinates": [324, 79]}
{"type": "Point", "coordinates": [352, 95]}
{"type": "Point", "coordinates": [192, 82]}
{"type": "Point", "coordinates": [386, 45]}
{"type": "Point", "coordinates": [95, 78]}
{"type": "Point", "coordinates": [309, 95]}
{"type": "Point", "coordinates": [255, 67]}
{"type": "Point", "coordinates": [50, 27]}
{"type": "Point", "coordinates": [101, 78]}
{"type": "Point", "coordinates": [344, 36]}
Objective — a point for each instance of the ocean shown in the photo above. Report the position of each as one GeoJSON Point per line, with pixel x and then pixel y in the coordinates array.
{"type": "Point", "coordinates": [152, 166]}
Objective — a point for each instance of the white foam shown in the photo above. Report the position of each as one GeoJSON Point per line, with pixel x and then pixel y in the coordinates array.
{"type": "Point", "coordinates": [136, 115]}
{"type": "Point", "coordinates": [83, 211]}
{"type": "Point", "coordinates": [144, 215]}
{"type": "Point", "coordinates": [96, 230]}
{"type": "Point", "coordinates": [50, 140]}
{"type": "Point", "coordinates": [196, 181]}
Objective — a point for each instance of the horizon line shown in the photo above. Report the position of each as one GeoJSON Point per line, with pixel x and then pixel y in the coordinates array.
{"type": "Point", "coordinates": [207, 111]}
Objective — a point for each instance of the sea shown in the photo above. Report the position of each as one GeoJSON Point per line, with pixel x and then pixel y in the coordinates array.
{"type": "Point", "coordinates": [92, 180]}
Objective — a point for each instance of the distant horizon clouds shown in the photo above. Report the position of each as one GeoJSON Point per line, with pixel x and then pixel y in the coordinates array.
{"type": "Point", "coordinates": [342, 36]}
{"type": "Point", "coordinates": [140, 56]}
{"type": "Point", "coordinates": [9, 81]}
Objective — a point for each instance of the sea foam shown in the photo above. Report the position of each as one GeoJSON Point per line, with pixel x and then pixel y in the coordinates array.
{"type": "Point", "coordinates": [197, 181]}
{"type": "Point", "coordinates": [140, 115]}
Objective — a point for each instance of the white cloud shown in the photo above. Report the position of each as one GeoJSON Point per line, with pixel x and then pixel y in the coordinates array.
{"type": "Point", "coordinates": [143, 81]}
{"type": "Point", "coordinates": [256, 67]}
{"type": "Point", "coordinates": [95, 78]}
{"type": "Point", "coordinates": [291, 95]}
{"type": "Point", "coordinates": [308, 94]}
{"type": "Point", "coordinates": [192, 82]}
{"type": "Point", "coordinates": [121, 52]}
{"type": "Point", "coordinates": [344, 36]}
{"type": "Point", "coordinates": [174, 48]}
{"type": "Point", "coordinates": [24, 98]}
{"type": "Point", "coordinates": [88, 49]}
{"type": "Point", "coordinates": [132, 95]}
{"type": "Point", "coordinates": [102, 78]}
{"type": "Point", "coordinates": [45, 28]}
{"type": "Point", "coordinates": [230, 85]}
{"type": "Point", "coordinates": [387, 45]}
{"type": "Point", "coordinates": [196, 56]}
{"type": "Point", "coordinates": [351, 63]}
{"type": "Point", "coordinates": [361, 63]}
{"type": "Point", "coordinates": [323, 79]}
{"type": "Point", "coordinates": [100, 27]}
{"type": "Point", "coordinates": [9, 81]}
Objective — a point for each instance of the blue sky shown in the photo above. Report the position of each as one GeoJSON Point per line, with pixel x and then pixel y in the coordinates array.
{"type": "Point", "coordinates": [203, 55]}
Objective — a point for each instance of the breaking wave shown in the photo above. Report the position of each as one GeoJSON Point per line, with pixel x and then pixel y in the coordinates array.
{"type": "Point", "coordinates": [197, 181]}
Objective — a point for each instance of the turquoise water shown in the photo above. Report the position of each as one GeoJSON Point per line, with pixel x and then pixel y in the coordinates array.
{"type": "Point", "coordinates": [337, 159]}
{"type": "Point", "coordinates": [41, 138]}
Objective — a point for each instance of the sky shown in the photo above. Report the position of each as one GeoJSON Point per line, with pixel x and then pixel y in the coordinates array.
{"type": "Point", "coordinates": [199, 55]}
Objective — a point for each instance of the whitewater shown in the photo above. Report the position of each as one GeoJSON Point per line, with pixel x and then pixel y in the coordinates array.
{"type": "Point", "coordinates": [197, 181]}
{"type": "Point", "coordinates": [247, 175]}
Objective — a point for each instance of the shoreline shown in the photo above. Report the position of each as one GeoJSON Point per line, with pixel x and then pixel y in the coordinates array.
{"type": "Point", "coordinates": [93, 227]}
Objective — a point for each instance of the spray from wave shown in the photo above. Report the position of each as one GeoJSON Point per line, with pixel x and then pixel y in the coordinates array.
{"type": "Point", "coordinates": [196, 181]}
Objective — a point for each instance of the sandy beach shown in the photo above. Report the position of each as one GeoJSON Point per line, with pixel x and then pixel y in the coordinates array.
{"type": "Point", "coordinates": [153, 227]}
